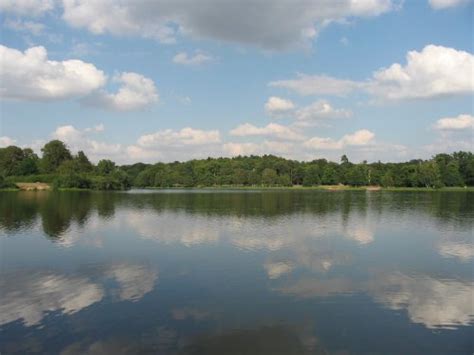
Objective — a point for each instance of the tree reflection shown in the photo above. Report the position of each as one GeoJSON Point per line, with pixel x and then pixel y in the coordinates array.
{"type": "Point", "coordinates": [58, 210]}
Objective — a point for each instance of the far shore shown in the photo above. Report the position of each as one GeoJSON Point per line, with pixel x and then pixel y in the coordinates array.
{"type": "Point", "coordinates": [48, 187]}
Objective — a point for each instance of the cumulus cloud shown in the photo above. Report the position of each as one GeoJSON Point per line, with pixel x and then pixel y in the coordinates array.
{"type": "Point", "coordinates": [318, 111]}
{"type": "Point", "coordinates": [461, 122]}
{"type": "Point", "coordinates": [317, 85]}
{"type": "Point", "coordinates": [136, 92]}
{"type": "Point", "coordinates": [276, 106]}
{"type": "Point", "coordinates": [361, 137]}
{"type": "Point", "coordinates": [185, 136]}
{"type": "Point", "coordinates": [435, 71]}
{"type": "Point", "coordinates": [26, 7]}
{"type": "Point", "coordinates": [443, 4]}
{"type": "Point", "coordinates": [30, 75]}
{"type": "Point", "coordinates": [79, 140]}
{"type": "Point", "coordinates": [271, 130]}
{"type": "Point", "coordinates": [97, 128]}
{"type": "Point", "coordinates": [184, 144]}
{"type": "Point", "coordinates": [254, 24]}
{"type": "Point", "coordinates": [198, 58]}
{"type": "Point", "coordinates": [6, 141]}
{"type": "Point", "coordinates": [266, 147]}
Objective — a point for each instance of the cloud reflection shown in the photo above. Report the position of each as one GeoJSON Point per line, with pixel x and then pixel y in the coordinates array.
{"type": "Point", "coordinates": [29, 296]}
{"type": "Point", "coordinates": [429, 301]}
{"type": "Point", "coordinates": [134, 280]}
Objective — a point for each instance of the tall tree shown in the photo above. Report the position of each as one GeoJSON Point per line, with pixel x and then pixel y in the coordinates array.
{"type": "Point", "coordinates": [55, 152]}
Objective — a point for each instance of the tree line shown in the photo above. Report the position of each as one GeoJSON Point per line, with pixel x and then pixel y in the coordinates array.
{"type": "Point", "coordinates": [63, 169]}
{"type": "Point", "coordinates": [59, 167]}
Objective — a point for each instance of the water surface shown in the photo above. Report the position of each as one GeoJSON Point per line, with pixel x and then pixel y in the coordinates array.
{"type": "Point", "coordinates": [236, 272]}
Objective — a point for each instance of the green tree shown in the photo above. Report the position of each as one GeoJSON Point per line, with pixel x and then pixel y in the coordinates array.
{"type": "Point", "coordinates": [311, 176]}
{"type": "Point", "coordinates": [428, 174]}
{"type": "Point", "coordinates": [10, 157]}
{"type": "Point", "coordinates": [105, 167]}
{"type": "Point", "coordinates": [269, 177]}
{"type": "Point", "coordinates": [55, 153]}
{"type": "Point", "coordinates": [388, 179]}
{"type": "Point", "coordinates": [329, 176]}
{"type": "Point", "coordinates": [466, 166]}
{"type": "Point", "coordinates": [357, 175]}
{"type": "Point", "coordinates": [344, 159]}
{"type": "Point", "coordinates": [83, 162]}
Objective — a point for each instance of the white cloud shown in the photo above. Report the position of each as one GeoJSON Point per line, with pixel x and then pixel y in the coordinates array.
{"type": "Point", "coordinates": [266, 147]}
{"type": "Point", "coordinates": [27, 7]}
{"type": "Point", "coordinates": [276, 106]}
{"type": "Point", "coordinates": [169, 145]}
{"type": "Point", "coordinates": [317, 85]}
{"type": "Point", "coordinates": [433, 72]}
{"type": "Point", "coordinates": [254, 24]}
{"type": "Point", "coordinates": [271, 130]}
{"type": "Point", "coordinates": [184, 137]}
{"type": "Point", "coordinates": [198, 58]}
{"type": "Point", "coordinates": [359, 138]}
{"type": "Point", "coordinates": [136, 92]}
{"type": "Point", "coordinates": [317, 111]}
{"type": "Point", "coordinates": [79, 140]}
{"type": "Point", "coordinates": [235, 149]}
{"type": "Point", "coordinates": [30, 27]}
{"type": "Point", "coordinates": [97, 128]}
{"type": "Point", "coordinates": [6, 141]}
{"type": "Point", "coordinates": [460, 122]}
{"type": "Point", "coordinates": [30, 75]}
{"type": "Point", "coordinates": [443, 4]}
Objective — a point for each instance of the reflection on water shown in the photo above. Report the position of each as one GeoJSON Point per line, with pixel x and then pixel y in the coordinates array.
{"type": "Point", "coordinates": [236, 272]}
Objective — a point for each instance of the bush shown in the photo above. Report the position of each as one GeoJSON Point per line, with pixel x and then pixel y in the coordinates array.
{"type": "Point", "coordinates": [6, 183]}
{"type": "Point", "coordinates": [72, 181]}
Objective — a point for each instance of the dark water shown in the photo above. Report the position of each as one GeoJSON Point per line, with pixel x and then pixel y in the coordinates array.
{"type": "Point", "coordinates": [302, 272]}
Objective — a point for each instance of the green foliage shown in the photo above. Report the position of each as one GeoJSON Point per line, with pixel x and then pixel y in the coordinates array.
{"type": "Point", "coordinates": [83, 162]}
{"type": "Point", "coordinates": [105, 167]}
{"type": "Point", "coordinates": [67, 171]}
{"type": "Point", "coordinates": [388, 179]}
{"type": "Point", "coordinates": [55, 153]}
{"type": "Point", "coordinates": [357, 175]}
{"type": "Point", "coordinates": [17, 161]}
{"type": "Point", "coordinates": [269, 177]}
{"type": "Point", "coordinates": [311, 176]}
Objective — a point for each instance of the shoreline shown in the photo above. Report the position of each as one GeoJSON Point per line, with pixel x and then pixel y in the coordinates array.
{"type": "Point", "coordinates": [329, 188]}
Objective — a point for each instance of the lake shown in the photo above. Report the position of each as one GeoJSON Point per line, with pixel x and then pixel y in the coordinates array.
{"type": "Point", "coordinates": [237, 272]}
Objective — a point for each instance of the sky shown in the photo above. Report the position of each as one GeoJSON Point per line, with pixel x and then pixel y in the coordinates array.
{"type": "Point", "coordinates": [140, 80]}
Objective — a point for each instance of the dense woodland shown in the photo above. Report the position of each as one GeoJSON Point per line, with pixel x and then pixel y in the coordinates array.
{"type": "Point", "coordinates": [62, 169]}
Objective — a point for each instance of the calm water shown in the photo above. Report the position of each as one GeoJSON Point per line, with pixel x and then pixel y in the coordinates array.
{"type": "Point", "coordinates": [187, 272]}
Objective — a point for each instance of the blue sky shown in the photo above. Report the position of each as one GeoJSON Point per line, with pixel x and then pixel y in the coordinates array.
{"type": "Point", "coordinates": [162, 81]}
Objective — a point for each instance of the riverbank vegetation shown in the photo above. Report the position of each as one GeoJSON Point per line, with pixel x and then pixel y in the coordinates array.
{"type": "Point", "coordinates": [60, 168]}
